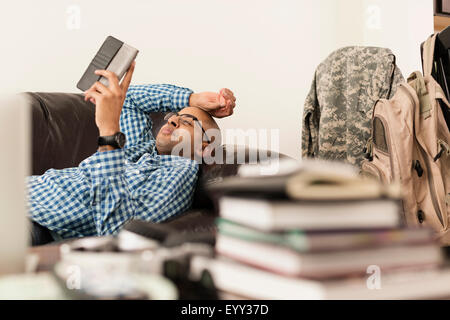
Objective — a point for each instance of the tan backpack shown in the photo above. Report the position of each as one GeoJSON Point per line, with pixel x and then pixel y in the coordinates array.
{"type": "Point", "coordinates": [410, 145]}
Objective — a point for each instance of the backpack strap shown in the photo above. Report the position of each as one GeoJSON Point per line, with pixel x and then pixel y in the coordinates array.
{"type": "Point", "coordinates": [441, 95]}
{"type": "Point", "coordinates": [417, 82]}
{"type": "Point", "coordinates": [428, 54]}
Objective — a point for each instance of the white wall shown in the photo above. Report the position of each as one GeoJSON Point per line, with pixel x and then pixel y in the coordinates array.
{"type": "Point", "coordinates": [400, 25]}
{"type": "Point", "coordinates": [265, 51]}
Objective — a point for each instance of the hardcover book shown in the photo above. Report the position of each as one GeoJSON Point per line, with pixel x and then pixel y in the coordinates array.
{"type": "Point", "coordinates": [114, 55]}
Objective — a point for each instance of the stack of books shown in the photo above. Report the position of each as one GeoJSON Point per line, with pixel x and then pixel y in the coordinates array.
{"type": "Point", "coordinates": [320, 232]}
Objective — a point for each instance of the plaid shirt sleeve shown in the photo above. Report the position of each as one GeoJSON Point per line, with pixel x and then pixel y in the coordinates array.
{"type": "Point", "coordinates": [76, 202]}
{"type": "Point", "coordinates": [140, 101]}
{"type": "Point", "coordinates": [104, 174]}
{"type": "Point", "coordinates": [103, 165]}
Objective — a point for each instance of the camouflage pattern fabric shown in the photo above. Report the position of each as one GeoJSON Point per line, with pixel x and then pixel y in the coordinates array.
{"type": "Point", "coordinates": [338, 110]}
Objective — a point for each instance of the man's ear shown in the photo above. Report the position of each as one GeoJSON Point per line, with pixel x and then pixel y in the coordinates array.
{"type": "Point", "coordinates": [199, 152]}
{"type": "Point", "coordinates": [208, 150]}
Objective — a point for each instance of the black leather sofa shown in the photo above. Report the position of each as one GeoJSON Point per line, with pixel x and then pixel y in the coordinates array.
{"type": "Point", "coordinates": [64, 133]}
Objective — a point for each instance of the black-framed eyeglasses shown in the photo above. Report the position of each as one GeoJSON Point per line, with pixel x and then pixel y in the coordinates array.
{"type": "Point", "coordinates": [186, 119]}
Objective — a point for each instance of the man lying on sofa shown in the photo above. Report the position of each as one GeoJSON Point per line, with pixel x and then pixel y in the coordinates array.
{"type": "Point", "coordinates": [138, 180]}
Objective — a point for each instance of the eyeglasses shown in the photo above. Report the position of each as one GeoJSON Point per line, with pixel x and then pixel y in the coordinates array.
{"type": "Point", "coordinates": [186, 119]}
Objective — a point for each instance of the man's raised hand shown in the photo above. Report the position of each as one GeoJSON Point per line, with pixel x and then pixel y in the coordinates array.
{"type": "Point", "coordinates": [218, 105]}
{"type": "Point", "coordinates": [109, 100]}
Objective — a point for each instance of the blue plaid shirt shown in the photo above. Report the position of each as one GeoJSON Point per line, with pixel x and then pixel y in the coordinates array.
{"type": "Point", "coordinates": [110, 188]}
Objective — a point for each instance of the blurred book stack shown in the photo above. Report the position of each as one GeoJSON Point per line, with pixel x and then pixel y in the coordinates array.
{"type": "Point", "coordinates": [316, 230]}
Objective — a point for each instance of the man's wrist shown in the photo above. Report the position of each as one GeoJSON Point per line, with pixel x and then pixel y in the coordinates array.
{"type": "Point", "coordinates": [106, 132]}
{"type": "Point", "coordinates": [193, 100]}
{"type": "Point", "coordinates": [110, 131]}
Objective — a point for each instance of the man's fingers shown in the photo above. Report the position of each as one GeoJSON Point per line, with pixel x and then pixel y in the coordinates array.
{"type": "Point", "coordinates": [228, 94]}
{"type": "Point", "coordinates": [222, 101]}
{"type": "Point", "coordinates": [112, 79]}
{"type": "Point", "coordinates": [100, 87]}
{"type": "Point", "coordinates": [225, 111]}
{"type": "Point", "coordinates": [127, 79]}
{"type": "Point", "coordinates": [87, 92]}
{"type": "Point", "coordinates": [231, 107]}
{"type": "Point", "coordinates": [229, 97]}
{"type": "Point", "coordinates": [232, 104]}
{"type": "Point", "coordinates": [91, 94]}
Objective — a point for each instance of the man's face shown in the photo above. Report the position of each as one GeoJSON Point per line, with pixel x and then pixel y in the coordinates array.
{"type": "Point", "coordinates": [179, 132]}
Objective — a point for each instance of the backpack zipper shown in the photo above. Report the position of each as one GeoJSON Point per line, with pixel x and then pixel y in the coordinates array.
{"type": "Point", "coordinates": [430, 179]}
{"type": "Point", "coordinates": [444, 148]}
{"type": "Point", "coordinates": [431, 184]}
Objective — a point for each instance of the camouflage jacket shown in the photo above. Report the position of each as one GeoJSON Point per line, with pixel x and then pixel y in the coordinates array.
{"type": "Point", "coordinates": [338, 110]}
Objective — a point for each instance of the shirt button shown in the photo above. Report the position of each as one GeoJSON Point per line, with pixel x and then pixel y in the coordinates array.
{"type": "Point", "coordinates": [137, 171]}
{"type": "Point", "coordinates": [98, 166]}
